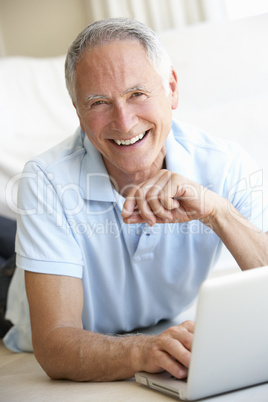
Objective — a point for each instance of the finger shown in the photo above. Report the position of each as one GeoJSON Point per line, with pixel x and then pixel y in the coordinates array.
{"type": "Point", "coordinates": [136, 218]}
{"type": "Point", "coordinates": [169, 203]}
{"type": "Point", "coordinates": [155, 204]}
{"type": "Point", "coordinates": [133, 218]}
{"type": "Point", "coordinates": [155, 193]}
{"type": "Point", "coordinates": [183, 333]}
{"type": "Point", "coordinates": [130, 204]}
{"type": "Point", "coordinates": [146, 200]}
{"type": "Point", "coordinates": [130, 217]}
{"type": "Point", "coordinates": [171, 194]}
{"type": "Point", "coordinates": [149, 192]}
{"type": "Point", "coordinates": [135, 199]}
{"type": "Point", "coordinates": [167, 362]}
{"type": "Point", "coordinates": [179, 351]}
{"type": "Point", "coordinates": [178, 340]}
{"type": "Point", "coordinates": [189, 325]}
{"type": "Point", "coordinates": [144, 208]}
{"type": "Point", "coordinates": [187, 194]}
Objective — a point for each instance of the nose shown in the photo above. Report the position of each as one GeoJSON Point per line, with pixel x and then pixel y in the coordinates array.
{"type": "Point", "coordinates": [124, 118]}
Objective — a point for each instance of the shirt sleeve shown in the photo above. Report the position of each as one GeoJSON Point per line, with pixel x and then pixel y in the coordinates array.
{"type": "Point", "coordinates": [44, 241]}
{"type": "Point", "coordinates": [247, 189]}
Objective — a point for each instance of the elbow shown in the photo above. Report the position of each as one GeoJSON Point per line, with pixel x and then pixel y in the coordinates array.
{"type": "Point", "coordinates": [58, 362]}
{"type": "Point", "coordinates": [48, 364]}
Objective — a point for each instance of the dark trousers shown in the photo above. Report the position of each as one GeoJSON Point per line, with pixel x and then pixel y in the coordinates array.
{"type": "Point", "coordinates": [7, 267]}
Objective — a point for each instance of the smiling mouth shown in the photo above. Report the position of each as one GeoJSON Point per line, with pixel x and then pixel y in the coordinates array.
{"type": "Point", "coordinates": [132, 140]}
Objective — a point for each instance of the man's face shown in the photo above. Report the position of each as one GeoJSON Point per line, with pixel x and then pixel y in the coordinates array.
{"type": "Point", "coordinates": [123, 107]}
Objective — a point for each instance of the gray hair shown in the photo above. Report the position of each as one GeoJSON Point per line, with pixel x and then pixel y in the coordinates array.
{"type": "Point", "coordinates": [105, 31]}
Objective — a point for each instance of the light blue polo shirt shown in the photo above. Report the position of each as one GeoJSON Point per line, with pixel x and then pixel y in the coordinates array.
{"type": "Point", "coordinates": [70, 223]}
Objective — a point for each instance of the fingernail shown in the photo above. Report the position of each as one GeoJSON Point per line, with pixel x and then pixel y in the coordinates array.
{"type": "Point", "coordinates": [183, 372]}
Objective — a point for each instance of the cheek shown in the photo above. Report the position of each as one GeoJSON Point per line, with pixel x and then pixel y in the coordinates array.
{"type": "Point", "coordinates": [149, 111]}
{"type": "Point", "coordinates": [93, 123]}
{"type": "Point", "coordinates": [159, 108]}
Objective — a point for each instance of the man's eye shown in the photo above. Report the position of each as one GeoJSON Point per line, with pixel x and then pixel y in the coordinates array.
{"type": "Point", "coordinates": [97, 103]}
{"type": "Point", "coordinates": [136, 94]}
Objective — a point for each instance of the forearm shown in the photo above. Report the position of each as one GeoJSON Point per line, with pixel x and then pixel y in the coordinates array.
{"type": "Point", "coordinates": [247, 244]}
{"type": "Point", "coordinates": [81, 355]}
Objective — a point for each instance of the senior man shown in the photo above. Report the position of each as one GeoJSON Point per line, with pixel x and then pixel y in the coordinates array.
{"type": "Point", "coordinates": [122, 222]}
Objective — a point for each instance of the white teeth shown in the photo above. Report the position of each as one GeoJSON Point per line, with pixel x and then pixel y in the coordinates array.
{"type": "Point", "coordinates": [132, 141]}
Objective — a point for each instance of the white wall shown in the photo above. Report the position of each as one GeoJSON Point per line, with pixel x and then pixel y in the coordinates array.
{"type": "Point", "coordinates": [40, 28]}
{"type": "Point", "coordinates": [44, 28]}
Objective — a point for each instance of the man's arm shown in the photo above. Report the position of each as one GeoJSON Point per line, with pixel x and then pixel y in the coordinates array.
{"type": "Point", "coordinates": [65, 350]}
{"type": "Point", "coordinates": [169, 197]}
{"type": "Point", "coordinates": [247, 244]}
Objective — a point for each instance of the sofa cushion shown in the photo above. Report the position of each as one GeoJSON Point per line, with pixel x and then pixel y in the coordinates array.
{"type": "Point", "coordinates": [36, 113]}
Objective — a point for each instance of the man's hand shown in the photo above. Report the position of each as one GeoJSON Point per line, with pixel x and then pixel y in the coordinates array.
{"type": "Point", "coordinates": [171, 198]}
{"type": "Point", "coordinates": [168, 198]}
{"type": "Point", "coordinates": [170, 351]}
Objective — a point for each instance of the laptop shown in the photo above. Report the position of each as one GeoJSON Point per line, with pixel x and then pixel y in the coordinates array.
{"type": "Point", "coordinates": [230, 346]}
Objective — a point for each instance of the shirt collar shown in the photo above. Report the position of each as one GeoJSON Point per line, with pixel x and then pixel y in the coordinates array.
{"type": "Point", "coordinates": [178, 158]}
{"type": "Point", "coordinates": [95, 183]}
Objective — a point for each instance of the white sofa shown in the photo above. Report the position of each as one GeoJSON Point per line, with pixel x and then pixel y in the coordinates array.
{"type": "Point", "coordinates": [223, 78]}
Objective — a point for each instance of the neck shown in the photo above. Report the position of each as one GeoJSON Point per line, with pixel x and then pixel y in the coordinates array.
{"type": "Point", "coordinates": [124, 181]}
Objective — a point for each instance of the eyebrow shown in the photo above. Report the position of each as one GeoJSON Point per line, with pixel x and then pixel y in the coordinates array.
{"type": "Point", "coordinates": [138, 88]}
{"type": "Point", "coordinates": [93, 97]}
{"type": "Point", "coordinates": [90, 98]}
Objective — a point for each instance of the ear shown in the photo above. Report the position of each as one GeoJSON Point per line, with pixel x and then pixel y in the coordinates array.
{"type": "Point", "coordinates": [79, 117]}
{"type": "Point", "coordinates": [174, 89]}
